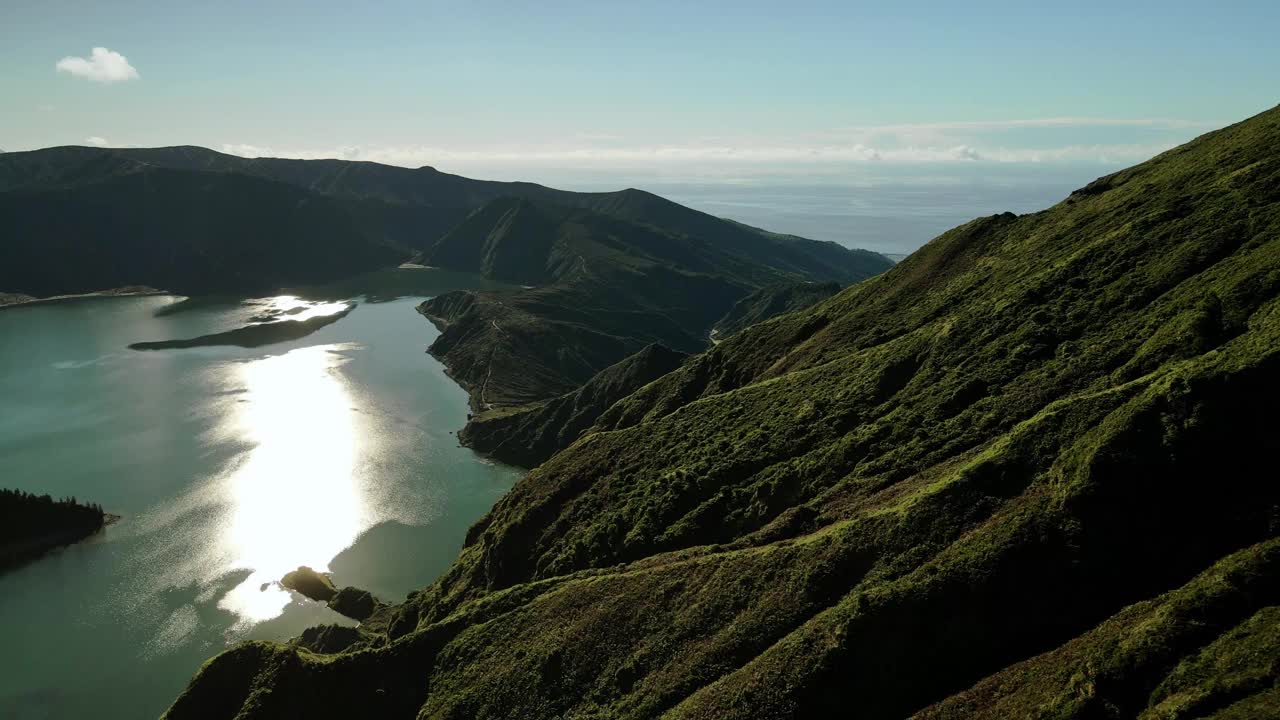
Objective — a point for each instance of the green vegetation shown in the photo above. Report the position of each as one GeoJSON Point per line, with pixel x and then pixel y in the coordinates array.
{"type": "Point", "coordinates": [771, 301]}
{"type": "Point", "coordinates": [1028, 472]}
{"type": "Point", "coordinates": [195, 221]}
{"type": "Point", "coordinates": [310, 583]}
{"type": "Point", "coordinates": [614, 273]}
{"type": "Point", "coordinates": [355, 603]}
{"type": "Point", "coordinates": [31, 524]}
{"type": "Point", "coordinates": [181, 231]}
{"type": "Point", "coordinates": [528, 436]}
{"type": "Point", "coordinates": [1191, 652]}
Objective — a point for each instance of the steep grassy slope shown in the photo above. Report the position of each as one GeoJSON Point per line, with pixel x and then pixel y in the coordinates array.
{"type": "Point", "coordinates": [607, 287]}
{"type": "Point", "coordinates": [526, 437]}
{"type": "Point", "coordinates": [118, 223]}
{"type": "Point", "coordinates": [1038, 441]}
{"type": "Point", "coordinates": [1202, 650]}
{"type": "Point", "coordinates": [772, 301]}
{"type": "Point", "coordinates": [512, 349]}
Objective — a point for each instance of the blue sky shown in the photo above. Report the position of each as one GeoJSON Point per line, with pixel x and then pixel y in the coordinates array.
{"type": "Point", "coordinates": [505, 89]}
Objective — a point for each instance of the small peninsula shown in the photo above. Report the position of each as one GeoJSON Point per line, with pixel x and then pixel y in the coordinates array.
{"type": "Point", "coordinates": [251, 336]}
{"type": "Point", "coordinates": [31, 525]}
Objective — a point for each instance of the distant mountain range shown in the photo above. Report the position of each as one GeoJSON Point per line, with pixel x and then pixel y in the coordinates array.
{"type": "Point", "coordinates": [631, 270]}
{"type": "Point", "coordinates": [189, 219]}
{"type": "Point", "coordinates": [609, 273]}
{"type": "Point", "coordinates": [1028, 472]}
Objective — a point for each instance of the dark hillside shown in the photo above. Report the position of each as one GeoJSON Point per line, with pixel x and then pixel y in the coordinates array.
{"type": "Point", "coordinates": [607, 287]}
{"type": "Point", "coordinates": [1029, 471]}
{"type": "Point", "coordinates": [193, 220]}
{"type": "Point", "coordinates": [528, 436]}
{"type": "Point", "coordinates": [33, 524]}
{"type": "Point", "coordinates": [771, 301]}
{"type": "Point", "coordinates": [180, 231]}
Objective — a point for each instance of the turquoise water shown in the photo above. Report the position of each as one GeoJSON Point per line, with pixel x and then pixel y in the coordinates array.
{"type": "Point", "coordinates": [229, 466]}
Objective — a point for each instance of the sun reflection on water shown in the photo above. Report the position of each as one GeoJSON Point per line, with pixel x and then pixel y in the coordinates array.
{"type": "Point", "coordinates": [292, 307]}
{"type": "Point", "coordinates": [296, 501]}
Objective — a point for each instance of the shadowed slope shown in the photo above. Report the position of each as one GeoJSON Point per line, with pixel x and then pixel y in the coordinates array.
{"type": "Point", "coordinates": [185, 232]}
{"type": "Point", "coordinates": [771, 301]}
{"type": "Point", "coordinates": [83, 217]}
{"type": "Point", "coordinates": [608, 286]}
{"type": "Point", "coordinates": [1010, 448]}
{"type": "Point", "coordinates": [529, 436]}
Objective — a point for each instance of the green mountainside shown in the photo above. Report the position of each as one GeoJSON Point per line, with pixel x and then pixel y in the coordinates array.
{"type": "Point", "coordinates": [123, 223]}
{"type": "Point", "coordinates": [410, 208]}
{"type": "Point", "coordinates": [192, 220]}
{"type": "Point", "coordinates": [607, 285]}
{"type": "Point", "coordinates": [526, 437]}
{"type": "Point", "coordinates": [1027, 472]}
{"type": "Point", "coordinates": [770, 302]}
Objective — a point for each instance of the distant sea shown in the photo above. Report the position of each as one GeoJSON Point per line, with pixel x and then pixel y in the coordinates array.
{"type": "Point", "coordinates": [891, 211]}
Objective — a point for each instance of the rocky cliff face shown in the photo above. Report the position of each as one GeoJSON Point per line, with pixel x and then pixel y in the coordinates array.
{"type": "Point", "coordinates": [1029, 471]}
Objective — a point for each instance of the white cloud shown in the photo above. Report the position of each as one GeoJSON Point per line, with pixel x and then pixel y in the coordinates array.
{"type": "Point", "coordinates": [102, 65]}
{"type": "Point", "coordinates": [96, 141]}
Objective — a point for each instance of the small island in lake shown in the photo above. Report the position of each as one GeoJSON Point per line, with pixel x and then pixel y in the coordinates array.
{"type": "Point", "coordinates": [32, 524]}
{"type": "Point", "coordinates": [255, 335]}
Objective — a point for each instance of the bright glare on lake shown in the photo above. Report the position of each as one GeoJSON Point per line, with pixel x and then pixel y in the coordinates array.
{"type": "Point", "coordinates": [295, 497]}
{"type": "Point", "coordinates": [230, 467]}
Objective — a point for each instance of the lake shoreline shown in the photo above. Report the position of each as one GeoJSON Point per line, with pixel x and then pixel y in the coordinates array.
{"type": "Point", "coordinates": [14, 300]}
{"type": "Point", "coordinates": [333, 451]}
{"type": "Point", "coordinates": [19, 554]}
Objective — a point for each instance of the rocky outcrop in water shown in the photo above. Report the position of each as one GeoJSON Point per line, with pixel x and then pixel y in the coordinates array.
{"type": "Point", "coordinates": [310, 583]}
{"type": "Point", "coordinates": [251, 336]}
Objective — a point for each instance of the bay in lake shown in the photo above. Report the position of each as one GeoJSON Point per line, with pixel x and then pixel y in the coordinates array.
{"type": "Point", "coordinates": [230, 466]}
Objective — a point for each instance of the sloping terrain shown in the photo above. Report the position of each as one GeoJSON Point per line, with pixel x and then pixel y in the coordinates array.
{"type": "Point", "coordinates": [193, 220]}
{"type": "Point", "coordinates": [1038, 440]}
{"type": "Point", "coordinates": [119, 223]}
{"type": "Point", "coordinates": [771, 301]}
{"type": "Point", "coordinates": [607, 286]}
{"type": "Point", "coordinates": [528, 436]}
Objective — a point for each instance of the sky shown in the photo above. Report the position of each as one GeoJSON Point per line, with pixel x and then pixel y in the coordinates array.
{"type": "Point", "coordinates": [671, 90]}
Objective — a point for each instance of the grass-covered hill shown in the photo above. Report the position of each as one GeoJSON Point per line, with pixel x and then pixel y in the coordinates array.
{"type": "Point", "coordinates": [411, 208]}
{"type": "Point", "coordinates": [194, 233]}
{"type": "Point", "coordinates": [193, 220]}
{"type": "Point", "coordinates": [771, 301]}
{"type": "Point", "coordinates": [528, 436]}
{"type": "Point", "coordinates": [1028, 472]}
{"type": "Point", "coordinates": [603, 286]}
